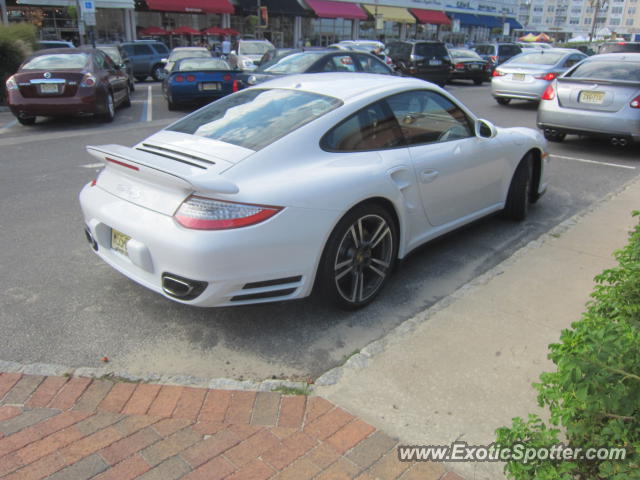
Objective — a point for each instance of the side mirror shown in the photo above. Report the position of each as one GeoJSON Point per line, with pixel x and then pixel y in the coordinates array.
{"type": "Point", "coordinates": [485, 129]}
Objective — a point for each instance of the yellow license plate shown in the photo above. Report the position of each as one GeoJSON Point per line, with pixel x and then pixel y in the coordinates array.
{"type": "Point", "coordinates": [119, 241]}
{"type": "Point", "coordinates": [517, 76]}
{"type": "Point", "coordinates": [591, 97]}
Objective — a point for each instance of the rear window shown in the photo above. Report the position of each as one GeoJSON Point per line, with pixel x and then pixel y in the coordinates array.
{"type": "Point", "coordinates": [537, 58]}
{"type": "Point", "coordinates": [254, 48]}
{"type": "Point", "coordinates": [619, 47]}
{"type": "Point", "coordinates": [465, 54]}
{"type": "Point", "coordinates": [256, 118]}
{"type": "Point", "coordinates": [430, 50]}
{"type": "Point", "coordinates": [180, 54]}
{"type": "Point", "coordinates": [57, 61]}
{"type": "Point", "coordinates": [607, 70]}
{"type": "Point", "coordinates": [113, 52]}
{"type": "Point", "coordinates": [401, 50]}
{"type": "Point", "coordinates": [161, 48]}
{"type": "Point", "coordinates": [294, 63]}
{"type": "Point", "coordinates": [484, 49]}
{"type": "Point", "coordinates": [196, 64]}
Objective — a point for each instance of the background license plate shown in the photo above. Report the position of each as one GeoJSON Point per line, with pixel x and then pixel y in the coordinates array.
{"type": "Point", "coordinates": [517, 76]}
{"type": "Point", "coordinates": [49, 88]}
{"type": "Point", "coordinates": [591, 97]}
{"type": "Point", "coordinates": [119, 241]}
{"type": "Point", "coordinates": [210, 86]}
{"type": "Point", "coordinates": [435, 62]}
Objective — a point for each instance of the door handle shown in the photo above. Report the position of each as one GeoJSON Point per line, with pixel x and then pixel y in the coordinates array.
{"type": "Point", "coordinates": [429, 176]}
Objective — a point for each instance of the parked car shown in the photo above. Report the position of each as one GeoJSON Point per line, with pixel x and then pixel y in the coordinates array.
{"type": "Point", "coordinates": [533, 46]}
{"type": "Point", "coordinates": [527, 76]}
{"type": "Point", "coordinates": [428, 60]}
{"type": "Point", "coordinates": [371, 46]}
{"type": "Point", "coordinates": [248, 53]}
{"type": "Point", "coordinates": [619, 47]}
{"type": "Point", "coordinates": [317, 61]}
{"type": "Point", "coordinates": [60, 82]}
{"type": "Point", "coordinates": [45, 44]}
{"type": "Point", "coordinates": [198, 80]}
{"type": "Point", "coordinates": [146, 57]}
{"type": "Point", "coordinates": [320, 180]}
{"type": "Point", "coordinates": [120, 57]}
{"type": "Point", "coordinates": [496, 53]}
{"type": "Point", "coordinates": [179, 53]}
{"type": "Point", "coordinates": [599, 97]}
{"type": "Point", "coordinates": [468, 65]}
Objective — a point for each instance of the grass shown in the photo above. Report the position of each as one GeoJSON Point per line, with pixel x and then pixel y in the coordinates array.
{"type": "Point", "coordinates": [284, 390]}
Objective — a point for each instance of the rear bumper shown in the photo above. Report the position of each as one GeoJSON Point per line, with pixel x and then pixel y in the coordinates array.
{"type": "Point", "coordinates": [54, 106]}
{"type": "Point", "coordinates": [518, 90]}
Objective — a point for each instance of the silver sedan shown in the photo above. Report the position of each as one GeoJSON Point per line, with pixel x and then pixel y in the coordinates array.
{"type": "Point", "coordinates": [599, 97]}
{"type": "Point", "coordinates": [526, 76]}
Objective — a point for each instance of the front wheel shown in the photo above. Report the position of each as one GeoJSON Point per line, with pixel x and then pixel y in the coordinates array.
{"type": "Point", "coordinates": [519, 196]}
{"type": "Point", "coordinates": [503, 101]}
{"type": "Point", "coordinates": [158, 73]}
{"type": "Point", "coordinates": [359, 257]}
{"type": "Point", "coordinates": [28, 121]}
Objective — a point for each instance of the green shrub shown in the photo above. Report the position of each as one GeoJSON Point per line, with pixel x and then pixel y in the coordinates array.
{"type": "Point", "coordinates": [594, 394]}
{"type": "Point", "coordinates": [16, 42]}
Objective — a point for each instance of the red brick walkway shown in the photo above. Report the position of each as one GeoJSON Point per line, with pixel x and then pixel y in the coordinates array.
{"type": "Point", "coordinates": [78, 428]}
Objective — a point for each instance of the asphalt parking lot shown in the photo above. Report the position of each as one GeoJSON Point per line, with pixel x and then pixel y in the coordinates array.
{"type": "Point", "coordinates": [60, 304]}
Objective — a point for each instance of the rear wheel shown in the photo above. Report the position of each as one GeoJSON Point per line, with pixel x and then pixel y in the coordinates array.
{"type": "Point", "coordinates": [477, 81]}
{"type": "Point", "coordinates": [503, 101]}
{"type": "Point", "coordinates": [127, 99]}
{"type": "Point", "coordinates": [158, 73]}
{"type": "Point", "coordinates": [109, 109]}
{"type": "Point", "coordinates": [519, 196]}
{"type": "Point", "coordinates": [27, 120]}
{"type": "Point", "coordinates": [359, 257]}
{"type": "Point", "coordinates": [554, 136]}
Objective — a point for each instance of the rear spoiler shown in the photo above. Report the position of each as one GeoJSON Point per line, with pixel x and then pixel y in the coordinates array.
{"type": "Point", "coordinates": [161, 170]}
{"type": "Point", "coordinates": [591, 81]}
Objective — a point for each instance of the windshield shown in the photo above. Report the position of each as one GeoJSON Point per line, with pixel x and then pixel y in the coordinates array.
{"type": "Point", "coordinates": [254, 48]}
{"type": "Point", "coordinates": [175, 56]}
{"type": "Point", "coordinates": [294, 63]}
{"type": "Point", "coordinates": [537, 58]}
{"type": "Point", "coordinates": [256, 118]}
{"type": "Point", "coordinates": [607, 70]}
{"type": "Point", "coordinates": [195, 64]}
{"type": "Point", "coordinates": [465, 54]}
{"type": "Point", "coordinates": [114, 53]}
{"type": "Point", "coordinates": [57, 61]}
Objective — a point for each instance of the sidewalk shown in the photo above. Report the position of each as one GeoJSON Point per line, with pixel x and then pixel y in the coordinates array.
{"type": "Point", "coordinates": [455, 372]}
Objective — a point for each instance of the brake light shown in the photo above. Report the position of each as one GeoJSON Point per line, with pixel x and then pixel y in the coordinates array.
{"type": "Point", "coordinates": [497, 73]}
{"type": "Point", "coordinates": [549, 93]}
{"type": "Point", "coordinates": [88, 80]}
{"type": "Point", "coordinates": [459, 66]}
{"type": "Point", "coordinates": [191, 78]}
{"type": "Point", "coordinates": [235, 86]}
{"type": "Point", "coordinates": [11, 84]}
{"type": "Point", "coordinates": [201, 213]}
{"type": "Point", "coordinates": [548, 77]}
{"type": "Point", "coordinates": [635, 103]}
{"type": "Point", "coordinates": [179, 78]}
{"type": "Point", "coordinates": [621, 43]}
{"type": "Point", "coordinates": [227, 77]}
{"type": "Point", "coordinates": [493, 58]}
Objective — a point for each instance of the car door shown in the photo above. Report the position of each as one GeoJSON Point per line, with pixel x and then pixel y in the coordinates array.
{"type": "Point", "coordinates": [110, 76]}
{"type": "Point", "coordinates": [143, 58]}
{"type": "Point", "coordinates": [458, 173]}
{"type": "Point", "coordinates": [370, 64]}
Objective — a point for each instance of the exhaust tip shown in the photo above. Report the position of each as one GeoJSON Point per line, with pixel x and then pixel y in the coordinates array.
{"type": "Point", "coordinates": [182, 288]}
{"type": "Point", "coordinates": [90, 239]}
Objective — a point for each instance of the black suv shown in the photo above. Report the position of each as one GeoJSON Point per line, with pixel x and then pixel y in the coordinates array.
{"type": "Point", "coordinates": [428, 60]}
{"type": "Point", "coordinates": [619, 47]}
{"type": "Point", "coordinates": [496, 53]}
{"type": "Point", "coordinates": [146, 57]}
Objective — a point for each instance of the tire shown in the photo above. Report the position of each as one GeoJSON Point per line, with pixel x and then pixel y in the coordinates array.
{"type": "Point", "coordinates": [127, 100]}
{"type": "Point", "coordinates": [554, 136]}
{"type": "Point", "coordinates": [519, 196]}
{"type": "Point", "coordinates": [477, 81]}
{"type": "Point", "coordinates": [141, 79]}
{"type": "Point", "coordinates": [132, 85]}
{"type": "Point", "coordinates": [109, 109]}
{"type": "Point", "coordinates": [158, 73]}
{"type": "Point", "coordinates": [502, 100]}
{"type": "Point", "coordinates": [359, 257]}
{"type": "Point", "coordinates": [171, 106]}
{"type": "Point", "coordinates": [27, 121]}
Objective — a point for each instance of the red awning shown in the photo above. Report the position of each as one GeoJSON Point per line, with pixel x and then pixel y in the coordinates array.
{"type": "Point", "coordinates": [433, 17]}
{"type": "Point", "coordinates": [185, 31]}
{"type": "Point", "coordinates": [150, 31]}
{"type": "Point", "coordinates": [330, 9]}
{"type": "Point", "coordinates": [214, 31]}
{"type": "Point", "coordinates": [230, 31]}
{"type": "Point", "coordinates": [191, 6]}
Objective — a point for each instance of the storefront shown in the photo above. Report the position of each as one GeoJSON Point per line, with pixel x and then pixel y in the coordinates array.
{"type": "Point", "coordinates": [336, 21]}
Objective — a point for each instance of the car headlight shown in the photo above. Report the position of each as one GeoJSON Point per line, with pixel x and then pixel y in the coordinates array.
{"type": "Point", "coordinates": [11, 84]}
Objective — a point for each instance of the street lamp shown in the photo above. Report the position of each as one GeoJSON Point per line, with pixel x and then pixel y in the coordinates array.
{"type": "Point", "coordinates": [597, 6]}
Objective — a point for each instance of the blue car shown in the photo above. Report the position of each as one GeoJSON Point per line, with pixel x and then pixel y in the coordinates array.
{"type": "Point", "coordinates": [198, 81]}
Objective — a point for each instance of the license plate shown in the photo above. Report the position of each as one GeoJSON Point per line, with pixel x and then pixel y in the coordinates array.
{"type": "Point", "coordinates": [591, 97]}
{"type": "Point", "coordinates": [119, 241]}
{"type": "Point", "coordinates": [210, 86]}
{"type": "Point", "coordinates": [474, 67]}
{"type": "Point", "coordinates": [435, 62]}
{"type": "Point", "coordinates": [517, 76]}
{"type": "Point", "coordinates": [48, 88]}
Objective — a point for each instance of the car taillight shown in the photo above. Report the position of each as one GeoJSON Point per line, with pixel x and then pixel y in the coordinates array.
{"type": "Point", "coordinates": [201, 213]}
{"type": "Point", "coordinates": [235, 86]}
{"type": "Point", "coordinates": [11, 84]}
{"type": "Point", "coordinates": [549, 93]}
{"type": "Point", "coordinates": [548, 77]}
{"type": "Point", "coordinates": [191, 78]}
{"type": "Point", "coordinates": [459, 66]}
{"type": "Point", "coordinates": [497, 73]}
{"type": "Point", "coordinates": [88, 80]}
{"type": "Point", "coordinates": [635, 103]}
{"type": "Point", "coordinates": [179, 78]}
{"type": "Point", "coordinates": [227, 78]}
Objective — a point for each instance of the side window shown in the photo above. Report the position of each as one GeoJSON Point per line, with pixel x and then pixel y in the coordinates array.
{"type": "Point", "coordinates": [372, 128]}
{"type": "Point", "coordinates": [128, 49]}
{"type": "Point", "coordinates": [100, 61]}
{"type": "Point", "coordinates": [161, 48]}
{"type": "Point", "coordinates": [572, 60]}
{"type": "Point", "coordinates": [343, 63]}
{"type": "Point", "coordinates": [108, 63]}
{"type": "Point", "coordinates": [371, 65]}
{"type": "Point", "coordinates": [142, 50]}
{"type": "Point", "coordinates": [428, 117]}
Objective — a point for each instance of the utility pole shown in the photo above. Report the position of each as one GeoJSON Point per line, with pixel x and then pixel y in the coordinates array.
{"type": "Point", "coordinates": [597, 5]}
{"type": "Point", "coordinates": [3, 11]}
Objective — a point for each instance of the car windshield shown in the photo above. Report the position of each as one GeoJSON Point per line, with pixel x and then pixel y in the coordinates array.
{"type": "Point", "coordinates": [57, 61]}
{"type": "Point", "coordinates": [180, 54]}
{"type": "Point", "coordinates": [114, 53]}
{"type": "Point", "coordinates": [256, 118]}
{"type": "Point", "coordinates": [294, 63]}
{"type": "Point", "coordinates": [196, 64]}
{"type": "Point", "coordinates": [537, 58]}
{"type": "Point", "coordinates": [465, 54]}
{"type": "Point", "coordinates": [607, 70]}
{"type": "Point", "coordinates": [253, 48]}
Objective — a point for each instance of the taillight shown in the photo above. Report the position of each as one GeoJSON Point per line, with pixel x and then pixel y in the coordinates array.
{"type": "Point", "coordinates": [497, 73]}
{"type": "Point", "coordinates": [11, 84]}
{"type": "Point", "coordinates": [179, 78]}
{"type": "Point", "coordinates": [88, 80]}
{"type": "Point", "coordinates": [635, 103]}
{"type": "Point", "coordinates": [201, 213]}
{"type": "Point", "coordinates": [191, 78]}
{"type": "Point", "coordinates": [235, 86]}
{"type": "Point", "coordinates": [548, 77]}
{"type": "Point", "coordinates": [549, 93]}
{"type": "Point", "coordinates": [227, 78]}
{"type": "Point", "coordinates": [459, 66]}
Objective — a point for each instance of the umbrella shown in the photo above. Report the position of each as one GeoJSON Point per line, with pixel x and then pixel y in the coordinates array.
{"type": "Point", "coordinates": [543, 37]}
{"type": "Point", "coordinates": [529, 37]}
{"type": "Point", "coordinates": [231, 31]}
{"type": "Point", "coordinates": [214, 31]}
{"type": "Point", "coordinates": [185, 31]}
{"type": "Point", "coordinates": [150, 31]}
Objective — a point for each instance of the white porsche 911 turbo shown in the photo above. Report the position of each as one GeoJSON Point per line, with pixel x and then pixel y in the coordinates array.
{"type": "Point", "coordinates": [321, 180]}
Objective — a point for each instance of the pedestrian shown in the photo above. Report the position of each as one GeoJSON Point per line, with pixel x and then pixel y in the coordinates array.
{"type": "Point", "coordinates": [226, 47]}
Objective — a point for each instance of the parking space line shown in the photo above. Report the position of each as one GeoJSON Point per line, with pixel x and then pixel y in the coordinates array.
{"type": "Point", "coordinates": [147, 109]}
{"type": "Point", "coordinates": [6, 127]}
{"type": "Point", "coordinates": [584, 160]}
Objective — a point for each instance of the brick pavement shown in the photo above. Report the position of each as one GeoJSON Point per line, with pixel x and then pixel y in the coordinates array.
{"type": "Point", "coordinates": [60, 428]}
